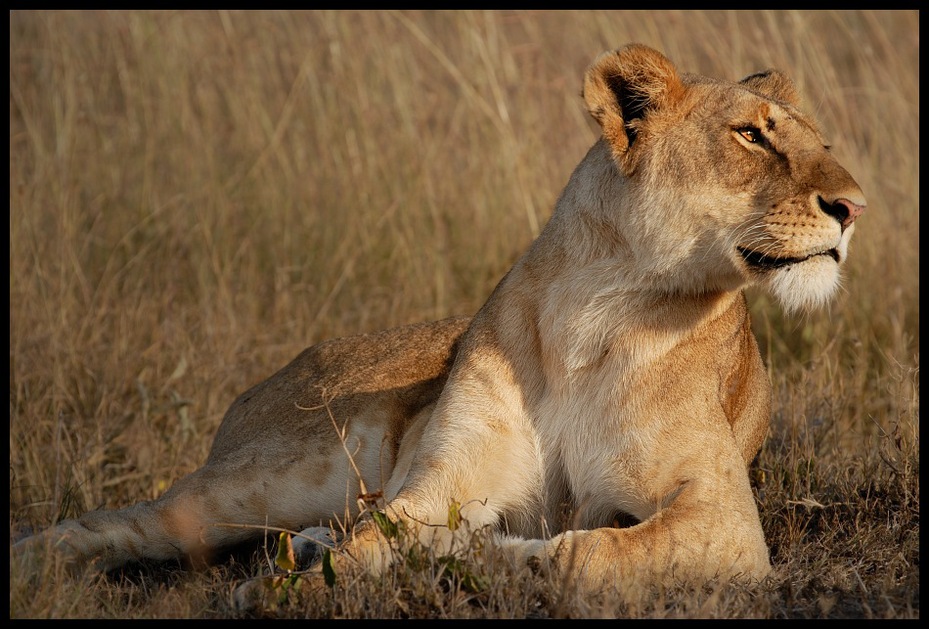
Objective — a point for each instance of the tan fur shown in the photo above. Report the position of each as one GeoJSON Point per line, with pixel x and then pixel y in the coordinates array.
{"type": "Point", "coordinates": [611, 375]}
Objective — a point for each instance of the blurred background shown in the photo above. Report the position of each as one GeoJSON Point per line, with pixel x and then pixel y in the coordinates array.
{"type": "Point", "coordinates": [197, 196]}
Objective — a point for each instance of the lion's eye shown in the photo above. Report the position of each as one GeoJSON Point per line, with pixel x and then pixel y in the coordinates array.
{"type": "Point", "coordinates": [750, 134]}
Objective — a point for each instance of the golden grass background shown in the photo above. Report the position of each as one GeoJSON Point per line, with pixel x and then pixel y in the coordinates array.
{"type": "Point", "coordinates": [197, 196]}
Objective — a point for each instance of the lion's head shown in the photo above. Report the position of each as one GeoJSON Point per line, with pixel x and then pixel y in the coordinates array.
{"type": "Point", "coordinates": [732, 183]}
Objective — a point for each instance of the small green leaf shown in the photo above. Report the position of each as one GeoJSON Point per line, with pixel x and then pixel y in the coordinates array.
{"type": "Point", "coordinates": [388, 528]}
{"type": "Point", "coordinates": [455, 569]}
{"type": "Point", "coordinates": [328, 568]}
{"type": "Point", "coordinates": [283, 584]}
{"type": "Point", "coordinates": [285, 552]}
{"type": "Point", "coordinates": [454, 515]}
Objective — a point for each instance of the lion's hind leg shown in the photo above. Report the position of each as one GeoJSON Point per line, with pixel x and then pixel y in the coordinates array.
{"type": "Point", "coordinates": [211, 509]}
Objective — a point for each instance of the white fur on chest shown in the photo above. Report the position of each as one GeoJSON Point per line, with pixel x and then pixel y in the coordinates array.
{"type": "Point", "coordinates": [588, 418]}
{"type": "Point", "coordinates": [596, 420]}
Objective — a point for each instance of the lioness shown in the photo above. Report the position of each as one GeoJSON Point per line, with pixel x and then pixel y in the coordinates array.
{"type": "Point", "coordinates": [611, 374]}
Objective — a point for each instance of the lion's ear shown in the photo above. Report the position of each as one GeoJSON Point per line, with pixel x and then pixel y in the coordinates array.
{"type": "Point", "coordinates": [774, 85]}
{"type": "Point", "coordinates": [622, 86]}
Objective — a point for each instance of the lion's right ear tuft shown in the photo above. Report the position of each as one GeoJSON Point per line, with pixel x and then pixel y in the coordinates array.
{"type": "Point", "coordinates": [622, 86]}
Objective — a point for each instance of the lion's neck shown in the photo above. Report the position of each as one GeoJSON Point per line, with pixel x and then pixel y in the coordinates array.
{"type": "Point", "coordinates": [603, 220]}
{"type": "Point", "coordinates": [590, 294]}
{"type": "Point", "coordinates": [632, 327]}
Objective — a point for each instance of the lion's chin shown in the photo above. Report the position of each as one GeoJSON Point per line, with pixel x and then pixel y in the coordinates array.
{"type": "Point", "coordinates": [804, 286]}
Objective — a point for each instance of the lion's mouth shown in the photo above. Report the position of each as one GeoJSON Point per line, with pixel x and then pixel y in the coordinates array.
{"type": "Point", "coordinates": [766, 262]}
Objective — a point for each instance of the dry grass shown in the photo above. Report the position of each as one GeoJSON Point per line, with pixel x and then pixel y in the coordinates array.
{"type": "Point", "coordinates": [195, 197]}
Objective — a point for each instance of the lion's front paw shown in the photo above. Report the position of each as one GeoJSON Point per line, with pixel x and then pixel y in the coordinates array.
{"type": "Point", "coordinates": [311, 544]}
{"type": "Point", "coordinates": [522, 554]}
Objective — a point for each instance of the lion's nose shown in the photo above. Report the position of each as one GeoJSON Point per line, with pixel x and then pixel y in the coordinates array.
{"type": "Point", "coordinates": [842, 210]}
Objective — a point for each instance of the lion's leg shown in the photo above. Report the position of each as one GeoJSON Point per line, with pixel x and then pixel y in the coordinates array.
{"type": "Point", "coordinates": [215, 507]}
{"type": "Point", "coordinates": [710, 529]}
{"type": "Point", "coordinates": [477, 456]}
{"type": "Point", "coordinates": [179, 523]}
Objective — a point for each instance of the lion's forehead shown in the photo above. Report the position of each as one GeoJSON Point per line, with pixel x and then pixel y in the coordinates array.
{"type": "Point", "coordinates": [782, 119]}
{"type": "Point", "coordinates": [736, 104]}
